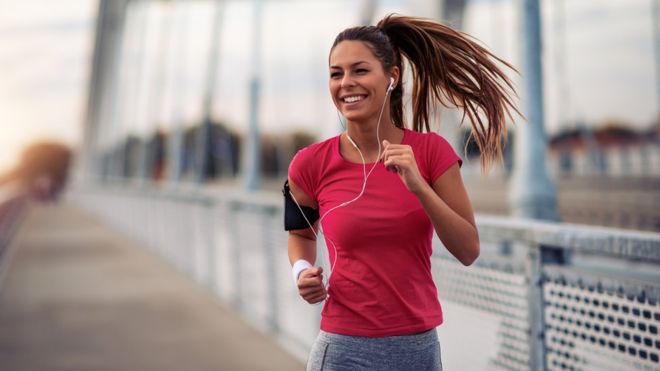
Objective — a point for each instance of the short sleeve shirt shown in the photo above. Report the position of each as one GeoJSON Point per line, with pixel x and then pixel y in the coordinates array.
{"type": "Point", "coordinates": [381, 244]}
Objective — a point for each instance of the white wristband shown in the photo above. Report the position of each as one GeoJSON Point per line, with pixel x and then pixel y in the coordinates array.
{"type": "Point", "coordinates": [299, 266]}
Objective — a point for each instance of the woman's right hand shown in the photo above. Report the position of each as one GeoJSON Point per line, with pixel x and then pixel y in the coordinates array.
{"type": "Point", "coordinates": [310, 285]}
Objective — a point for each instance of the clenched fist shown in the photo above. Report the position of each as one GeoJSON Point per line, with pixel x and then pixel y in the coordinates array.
{"type": "Point", "coordinates": [310, 285]}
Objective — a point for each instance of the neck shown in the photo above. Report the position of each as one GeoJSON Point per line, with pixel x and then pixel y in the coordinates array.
{"type": "Point", "coordinates": [365, 135]}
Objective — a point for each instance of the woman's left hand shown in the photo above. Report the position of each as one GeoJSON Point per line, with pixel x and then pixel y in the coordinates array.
{"type": "Point", "coordinates": [399, 158]}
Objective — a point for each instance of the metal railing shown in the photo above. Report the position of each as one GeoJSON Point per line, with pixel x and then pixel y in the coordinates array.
{"type": "Point", "coordinates": [540, 296]}
{"type": "Point", "coordinates": [13, 207]}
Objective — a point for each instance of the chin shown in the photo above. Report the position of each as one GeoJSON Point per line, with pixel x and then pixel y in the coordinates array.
{"type": "Point", "coordinates": [355, 116]}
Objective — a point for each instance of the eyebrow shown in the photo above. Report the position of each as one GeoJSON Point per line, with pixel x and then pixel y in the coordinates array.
{"type": "Point", "coordinates": [352, 65]}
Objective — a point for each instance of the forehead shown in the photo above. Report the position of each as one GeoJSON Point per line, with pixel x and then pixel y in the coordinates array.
{"type": "Point", "coordinates": [349, 51]}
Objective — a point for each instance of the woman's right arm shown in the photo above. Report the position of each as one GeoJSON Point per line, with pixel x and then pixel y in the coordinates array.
{"type": "Point", "coordinates": [302, 246]}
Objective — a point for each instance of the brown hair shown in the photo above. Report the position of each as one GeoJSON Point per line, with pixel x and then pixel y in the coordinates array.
{"type": "Point", "coordinates": [448, 67]}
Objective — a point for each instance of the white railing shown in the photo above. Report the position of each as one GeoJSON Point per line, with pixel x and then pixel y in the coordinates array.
{"type": "Point", "coordinates": [541, 295]}
{"type": "Point", "coordinates": [13, 207]}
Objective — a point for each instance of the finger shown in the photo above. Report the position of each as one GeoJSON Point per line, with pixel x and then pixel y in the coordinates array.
{"type": "Point", "coordinates": [317, 298]}
{"type": "Point", "coordinates": [310, 285]}
{"type": "Point", "coordinates": [311, 291]}
{"type": "Point", "coordinates": [404, 157]}
{"type": "Point", "coordinates": [393, 169]}
{"type": "Point", "coordinates": [399, 163]}
{"type": "Point", "coordinates": [310, 272]}
{"type": "Point", "coordinates": [310, 282]}
{"type": "Point", "coordinates": [391, 153]}
{"type": "Point", "coordinates": [385, 144]}
{"type": "Point", "coordinates": [396, 149]}
{"type": "Point", "coordinates": [398, 160]}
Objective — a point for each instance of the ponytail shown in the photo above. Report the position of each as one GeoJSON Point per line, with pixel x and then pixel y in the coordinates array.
{"type": "Point", "coordinates": [448, 67]}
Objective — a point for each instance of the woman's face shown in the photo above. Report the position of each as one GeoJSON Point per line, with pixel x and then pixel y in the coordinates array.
{"type": "Point", "coordinates": [357, 81]}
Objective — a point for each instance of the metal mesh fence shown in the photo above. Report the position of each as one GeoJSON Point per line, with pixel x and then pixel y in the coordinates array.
{"type": "Point", "coordinates": [493, 290]}
{"type": "Point", "coordinates": [545, 309]}
{"type": "Point", "coordinates": [589, 327]}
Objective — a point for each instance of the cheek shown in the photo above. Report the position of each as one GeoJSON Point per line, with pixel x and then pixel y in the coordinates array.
{"type": "Point", "coordinates": [333, 87]}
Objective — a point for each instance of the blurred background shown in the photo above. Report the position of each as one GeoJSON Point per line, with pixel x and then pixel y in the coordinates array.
{"type": "Point", "coordinates": [173, 123]}
{"type": "Point", "coordinates": [175, 87]}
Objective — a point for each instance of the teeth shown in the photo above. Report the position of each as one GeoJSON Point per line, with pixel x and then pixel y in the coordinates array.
{"type": "Point", "coordinates": [352, 99]}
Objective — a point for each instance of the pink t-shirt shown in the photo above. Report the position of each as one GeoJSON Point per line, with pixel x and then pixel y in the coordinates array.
{"type": "Point", "coordinates": [381, 284]}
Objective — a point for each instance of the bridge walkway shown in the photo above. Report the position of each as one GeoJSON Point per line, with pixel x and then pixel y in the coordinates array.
{"type": "Point", "coordinates": [79, 296]}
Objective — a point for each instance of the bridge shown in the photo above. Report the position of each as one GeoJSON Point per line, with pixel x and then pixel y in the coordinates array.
{"type": "Point", "coordinates": [77, 295]}
{"type": "Point", "coordinates": [124, 277]}
{"type": "Point", "coordinates": [164, 253]}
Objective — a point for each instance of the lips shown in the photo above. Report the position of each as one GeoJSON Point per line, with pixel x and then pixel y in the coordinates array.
{"type": "Point", "coordinates": [352, 99]}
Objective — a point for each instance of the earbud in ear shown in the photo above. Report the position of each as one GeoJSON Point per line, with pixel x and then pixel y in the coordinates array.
{"type": "Point", "coordinates": [391, 87]}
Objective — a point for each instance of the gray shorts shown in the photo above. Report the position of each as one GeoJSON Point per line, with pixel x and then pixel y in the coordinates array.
{"type": "Point", "coordinates": [333, 352]}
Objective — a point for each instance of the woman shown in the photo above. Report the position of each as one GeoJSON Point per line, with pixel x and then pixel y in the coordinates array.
{"type": "Point", "coordinates": [379, 190]}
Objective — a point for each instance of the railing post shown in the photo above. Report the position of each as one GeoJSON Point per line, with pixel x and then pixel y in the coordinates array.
{"type": "Point", "coordinates": [271, 273]}
{"type": "Point", "coordinates": [534, 271]}
{"type": "Point", "coordinates": [538, 258]}
{"type": "Point", "coordinates": [235, 255]}
{"type": "Point", "coordinates": [209, 213]}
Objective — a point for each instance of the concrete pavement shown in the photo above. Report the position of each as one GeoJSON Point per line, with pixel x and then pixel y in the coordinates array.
{"type": "Point", "coordinates": [78, 296]}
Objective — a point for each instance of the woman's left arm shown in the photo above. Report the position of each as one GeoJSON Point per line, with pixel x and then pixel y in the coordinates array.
{"type": "Point", "coordinates": [449, 208]}
{"type": "Point", "coordinates": [446, 202]}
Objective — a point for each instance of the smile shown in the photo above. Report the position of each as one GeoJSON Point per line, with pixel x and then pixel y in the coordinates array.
{"type": "Point", "coordinates": [353, 98]}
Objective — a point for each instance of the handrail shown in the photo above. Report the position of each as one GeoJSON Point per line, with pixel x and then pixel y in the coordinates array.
{"type": "Point", "coordinates": [13, 205]}
{"type": "Point", "coordinates": [563, 295]}
{"type": "Point", "coordinates": [620, 243]}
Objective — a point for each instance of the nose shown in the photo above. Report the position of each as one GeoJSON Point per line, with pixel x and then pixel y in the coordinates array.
{"type": "Point", "coordinates": [346, 81]}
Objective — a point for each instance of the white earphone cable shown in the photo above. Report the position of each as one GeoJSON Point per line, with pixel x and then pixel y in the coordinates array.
{"type": "Point", "coordinates": [364, 186]}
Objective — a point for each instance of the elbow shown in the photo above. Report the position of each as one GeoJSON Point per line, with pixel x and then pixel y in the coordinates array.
{"type": "Point", "coordinates": [471, 254]}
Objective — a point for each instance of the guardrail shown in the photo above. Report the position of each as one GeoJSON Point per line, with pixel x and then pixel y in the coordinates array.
{"type": "Point", "coordinates": [540, 296]}
{"type": "Point", "coordinates": [12, 210]}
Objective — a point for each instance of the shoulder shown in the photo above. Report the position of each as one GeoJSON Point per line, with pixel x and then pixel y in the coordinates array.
{"type": "Point", "coordinates": [306, 167]}
{"type": "Point", "coordinates": [434, 153]}
{"type": "Point", "coordinates": [313, 151]}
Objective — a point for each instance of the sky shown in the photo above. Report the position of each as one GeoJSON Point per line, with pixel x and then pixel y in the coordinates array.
{"type": "Point", "coordinates": [44, 67]}
{"type": "Point", "coordinates": [598, 57]}
{"type": "Point", "coordinates": [598, 64]}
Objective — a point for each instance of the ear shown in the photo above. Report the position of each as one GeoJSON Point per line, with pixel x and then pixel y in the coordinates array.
{"type": "Point", "coordinates": [395, 73]}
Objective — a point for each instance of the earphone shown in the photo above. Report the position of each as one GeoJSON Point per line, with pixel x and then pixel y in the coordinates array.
{"type": "Point", "coordinates": [392, 85]}
{"type": "Point", "coordinates": [366, 175]}
{"type": "Point", "coordinates": [389, 89]}
{"type": "Point", "coordinates": [352, 142]}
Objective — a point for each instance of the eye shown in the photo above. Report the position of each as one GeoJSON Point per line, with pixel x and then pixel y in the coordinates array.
{"type": "Point", "coordinates": [336, 73]}
{"type": "Point", "coordinates": [361, 71]}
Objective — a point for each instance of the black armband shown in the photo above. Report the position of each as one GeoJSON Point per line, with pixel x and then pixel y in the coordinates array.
{"type": "Point", "coordinates": [293, 218]}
